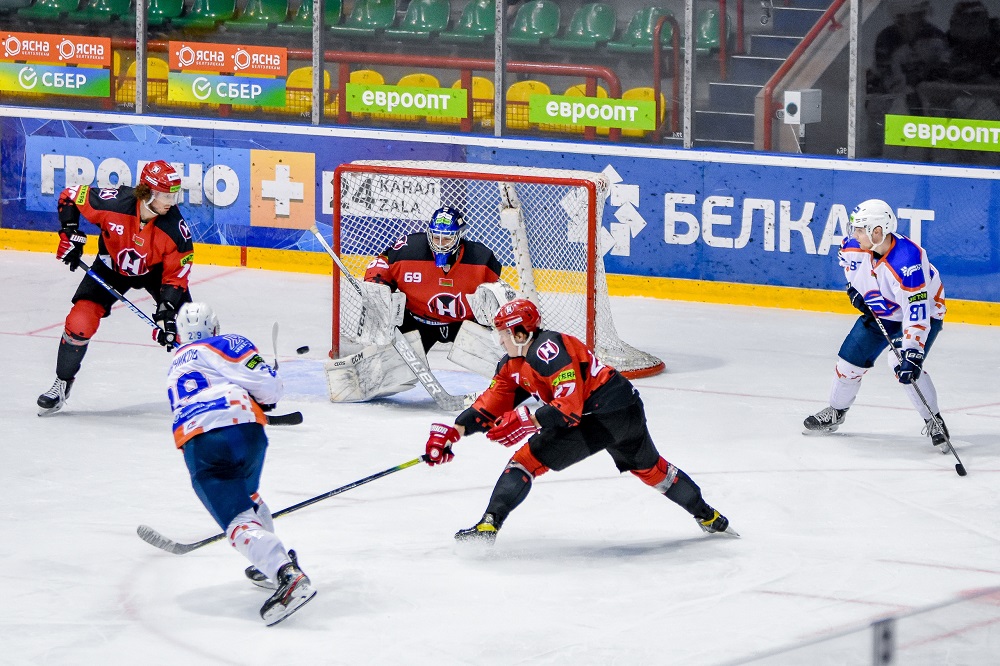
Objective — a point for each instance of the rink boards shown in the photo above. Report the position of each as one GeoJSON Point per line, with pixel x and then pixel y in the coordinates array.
{"type": "Point", "coordinates": [692, 225]}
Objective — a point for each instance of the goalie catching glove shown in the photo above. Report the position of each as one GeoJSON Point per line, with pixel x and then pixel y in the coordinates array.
{"type": "Point", "coordinates": [488, 298]}
{"type": "Point", "coordinates": [439, 443]}
{"type": "Point", "coordinates": [513, 427]}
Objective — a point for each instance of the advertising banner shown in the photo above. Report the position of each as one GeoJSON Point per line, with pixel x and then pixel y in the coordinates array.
{"type": "Point", "coordinates": [592, 112]}
{"type": "Point", "coordinates": [55, 80]}
{"type": "Point", "coordinates": [775, 222]}
{"type": "Point", "coordinates": [413, 101]}
{"type": "Point", "coordinates": [55, 49]}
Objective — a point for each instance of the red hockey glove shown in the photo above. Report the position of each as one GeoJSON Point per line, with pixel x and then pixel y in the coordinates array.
{"type": "Point", "coordinates": [513, 427]}
{"type": "Point", "coordinates": [71, 242]}
{"type": "Point", "coordinates": [439, 444]}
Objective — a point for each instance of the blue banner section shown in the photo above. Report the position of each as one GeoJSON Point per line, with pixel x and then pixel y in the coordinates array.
{"type": "Point", "coordinates": [703, 220]}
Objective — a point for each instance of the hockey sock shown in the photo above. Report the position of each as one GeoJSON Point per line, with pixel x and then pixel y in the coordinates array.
{"type": "Point", "coordinates": [264, 550]}
{"type": "Point", "coordinates": [511, 489]}
{"type": "Point", "coordinates": [846, 384]}
{"type": "Point", "coordinates": [660, 477]}
{"type": "Point", "coordinates": [263, 513]}
{"type": "Point", "coordinates": [686, 493]}
{"type": "Point", "coordinates": [72, 349]}
{"type": "Point", "coordinates": [926, 387]}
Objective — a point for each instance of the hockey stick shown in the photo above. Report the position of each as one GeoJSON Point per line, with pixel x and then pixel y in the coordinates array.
{"type": "Point", "coordinates": [290, 419]}
{"type": "Point", "coordinates": [959, 467]}
{"type": "Point", "coordinates": [154, 538]}
{"type": "Point", "coordinates": [445, 400]}
{"type": "Point", "coordinates": [117, 294]}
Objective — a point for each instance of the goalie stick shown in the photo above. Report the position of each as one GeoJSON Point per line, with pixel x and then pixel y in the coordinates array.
{"type": "Point", "coordinates": [154, 538]}
{"type": "Point", "coordinates": [444, 400]}
{"type": "Point", "coordinates": [959, 467]}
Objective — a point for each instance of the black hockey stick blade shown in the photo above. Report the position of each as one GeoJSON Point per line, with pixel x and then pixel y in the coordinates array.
{"type": "Point", "coordinates": [290, 419]}
{"type": "Point", "coordinates": [154, 538]}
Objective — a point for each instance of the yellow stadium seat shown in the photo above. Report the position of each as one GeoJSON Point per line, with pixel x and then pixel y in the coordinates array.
{"type": "Point", "coordinates": [156, 83]}
{"type": "Point", "coordinates": [645, 94]}
{"type": "Point", "coordinates": [482, 103]}
{"type": "Point", "coordinates": [518, 95]}
{"type": "Point", "coordinates": [364, 76]}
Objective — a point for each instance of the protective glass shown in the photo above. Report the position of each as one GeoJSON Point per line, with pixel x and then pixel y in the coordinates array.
{"type": "Point", "coordinates": [166, 198]}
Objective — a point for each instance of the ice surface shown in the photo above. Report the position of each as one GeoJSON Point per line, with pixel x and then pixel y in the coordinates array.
{"type": "Point", "coordinates": [594, 567]}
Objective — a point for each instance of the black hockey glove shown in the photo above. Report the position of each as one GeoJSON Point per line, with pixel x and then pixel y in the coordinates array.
{"type": "Point", "coordinates": [857, 300]}
{"type": "Point", "coordinates": [71, 242]}
{"type": "Point", "coordinates": [166, 321]}
{"type": "Point", "coordinates": [909, 371]}
{"type": "Point", "coordinates": [266, 407]}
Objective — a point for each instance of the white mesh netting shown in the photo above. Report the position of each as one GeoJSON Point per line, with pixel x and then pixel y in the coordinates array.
{"type": "Point", "coordinates": [383, 200]}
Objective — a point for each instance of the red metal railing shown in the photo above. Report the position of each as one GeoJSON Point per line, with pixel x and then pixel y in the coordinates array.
{"type": "Point", "coordinates": [793, 58]}
{"type": "Point", "coordinates": [675, 110]}
{"type": "Point", "coordinates": [722, 39]}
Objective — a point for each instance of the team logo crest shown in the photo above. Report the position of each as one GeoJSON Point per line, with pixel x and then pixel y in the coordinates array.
{"type": "Point", "coordinates": [131, 262]}
{"type": "Point", "coordinates": [447, 305]}
{"type": "Point", "coordinates": [880, 305]}
{"type": "Point", "coordinates": [401, 243]}
{"type": "Point", "coordinates": [185, 232]}
{"type": "Point", "coordinates": [107, 193]}
{"type": "Point", "coordinates": [547, 351]}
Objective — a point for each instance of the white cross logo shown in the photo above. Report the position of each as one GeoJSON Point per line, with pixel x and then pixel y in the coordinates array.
{"type": "Point", "coordinates": [282, 189]}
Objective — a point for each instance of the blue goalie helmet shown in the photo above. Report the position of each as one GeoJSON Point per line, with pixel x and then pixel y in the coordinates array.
{"type": "Point", "coordinates": [445, 233]}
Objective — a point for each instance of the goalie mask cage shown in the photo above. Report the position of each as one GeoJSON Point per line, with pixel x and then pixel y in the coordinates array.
{"type": "Point", "coordinates": [542, 225]}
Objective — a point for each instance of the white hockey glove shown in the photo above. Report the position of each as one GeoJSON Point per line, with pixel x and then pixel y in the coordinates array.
{"type": "Point", "coordinates": [488, 298]}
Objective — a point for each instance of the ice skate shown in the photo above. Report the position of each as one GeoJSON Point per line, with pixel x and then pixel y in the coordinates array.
{"type": "Point", "coordinates": [716, 524]}
{"type": "Point", "coordinates": [827, 419]}
{"type": "Point", "coordinates": [53, 400]}
{"type": "Point", "coordinates": [257, 577]}
{"type": "Point", "coordinates": [938, 432]}
{"type": "Point", "coordinates": [485, 531]}
{"type": "Point", "coordinates": [294, 591]}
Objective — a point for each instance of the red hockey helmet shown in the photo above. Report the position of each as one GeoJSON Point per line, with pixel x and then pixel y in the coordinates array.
{"type": "Point", "coordinates": [519, 312]}
{"type": "Point", "coordinates": [160, 177]}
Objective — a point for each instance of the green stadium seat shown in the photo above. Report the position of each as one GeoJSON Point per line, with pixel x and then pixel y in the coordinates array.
{"type": "Point", "coordinates": [159, 12]}
{"type": "Point", "coordinates": [534, 23]}
{"type": "Point", "coordinates": [423, 20]}
{"type": "Point", "coordinates": [706, 31]}
{"type": "Point", "coordinates": [590, 26]}
{"type": "Point", "coordinates": [638, 36]}
{"type": "Point", "coordinates": [103, 11]}
{"type": "Point", "coordinates": [302, 20]}
{"type": "Point", "coordinates": [476, 25]}
{"type": "Point", "coordinates": [259, 15]}
{"type": "Point", "coordinates": [48, 10]}
{"type": "Point", "coordinates": [206, 14]}
{"type": "Point", "coordinates": [368, 18]}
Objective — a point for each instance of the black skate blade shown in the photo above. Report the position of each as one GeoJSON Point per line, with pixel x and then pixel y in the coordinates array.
{"type": "Point", "coordinates": [48, 411]}
{"type": "Point", "coordinates": [255, 576]}
{"type": "Point", "coordinates": [301, 596]}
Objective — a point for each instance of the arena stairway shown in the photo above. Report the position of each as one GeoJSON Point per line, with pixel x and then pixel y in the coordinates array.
{"type": "Point", "coordinates": [728, 121]}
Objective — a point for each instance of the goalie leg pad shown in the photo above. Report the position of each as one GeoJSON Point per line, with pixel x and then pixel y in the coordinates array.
{"type": "Point", "coordinates": [264, 550]}
{"type": "Point", "coordinates": [476, 349]}
{"type": "Point", "coordinates": [373, 372]}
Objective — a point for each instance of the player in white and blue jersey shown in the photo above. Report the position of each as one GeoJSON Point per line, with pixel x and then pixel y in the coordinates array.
{"type": "Point", "coordinates": [217, 385]}
{"type": "Point", "coordinates": [888, 276]}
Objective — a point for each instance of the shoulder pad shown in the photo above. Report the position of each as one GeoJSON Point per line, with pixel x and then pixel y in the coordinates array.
{"type": "Point", "coordinates": [413, 247]}
{"type": "Point", "coordinates": [477, 253]}
{"type": "Point", "coordinates": [850, 243]}
{"type": "Point", "coordinates": [906, 262]}
{"type": "Point", "coordinates": [233, 347]}
{"type": "Point", "coordinates": [548, 353]}
{"type": "Point", "coordinates": [173, 225]}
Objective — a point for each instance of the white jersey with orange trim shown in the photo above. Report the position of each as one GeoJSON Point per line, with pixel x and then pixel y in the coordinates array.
{"type": "Point", "coordinates": [219, 382]}
{"type": "Point", "coordinates": [901, 285]}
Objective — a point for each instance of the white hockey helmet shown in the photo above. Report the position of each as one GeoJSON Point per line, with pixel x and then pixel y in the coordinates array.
{"type": "Point", "coordinates": [874, 213]}
{"type": "Point", "coordinates": [196, 321]}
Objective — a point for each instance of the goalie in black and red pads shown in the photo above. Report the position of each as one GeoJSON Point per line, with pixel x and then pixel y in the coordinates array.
{"type": "Point", "coordinates": [144, 243]}
{"type": "Point", "coordinates": [587, 407]}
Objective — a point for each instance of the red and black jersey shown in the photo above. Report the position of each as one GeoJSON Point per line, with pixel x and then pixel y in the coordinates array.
{"type": "Point", "coordinates": [434, 295]}
{"type": "Point", "coordinates": [561, 372]}
{"type": "Point", "coordinates": [133, 248]}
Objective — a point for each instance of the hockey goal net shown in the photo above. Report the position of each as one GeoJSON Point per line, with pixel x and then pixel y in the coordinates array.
{"type": "Point", "coordinates": [542, 225]}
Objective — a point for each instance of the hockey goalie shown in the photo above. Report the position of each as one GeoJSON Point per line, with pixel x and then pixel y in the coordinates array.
{"type": "Point", "coordinates": [435, 287]}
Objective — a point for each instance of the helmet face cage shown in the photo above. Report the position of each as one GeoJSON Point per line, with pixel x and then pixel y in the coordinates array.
{"type": "Point", "coordinates": [161, 177]}
{"type": "Point", "coordinates": [872, 214]}
{"type": "Point", "coordinates": [444, 233]}
{"type": "Point", "coordinates": [196, 321]}
{"type": "Point", "coordinates": [518, 313]}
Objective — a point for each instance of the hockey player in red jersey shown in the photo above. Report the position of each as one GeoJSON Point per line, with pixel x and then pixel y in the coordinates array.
{"type": "Point", "coordinates": [587, 407]}
{"type": "Point", "coordinates": [144, 243]}
{"type": "Point", "coordinates": [439, 272]}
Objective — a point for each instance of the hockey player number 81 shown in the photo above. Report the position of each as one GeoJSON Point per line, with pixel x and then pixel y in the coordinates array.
{"type": "Point", "coordinates": [918, 312]}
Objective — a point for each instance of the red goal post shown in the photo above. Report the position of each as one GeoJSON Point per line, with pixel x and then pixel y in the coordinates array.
{"type": "Point", "coordinates": [543, 225]}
